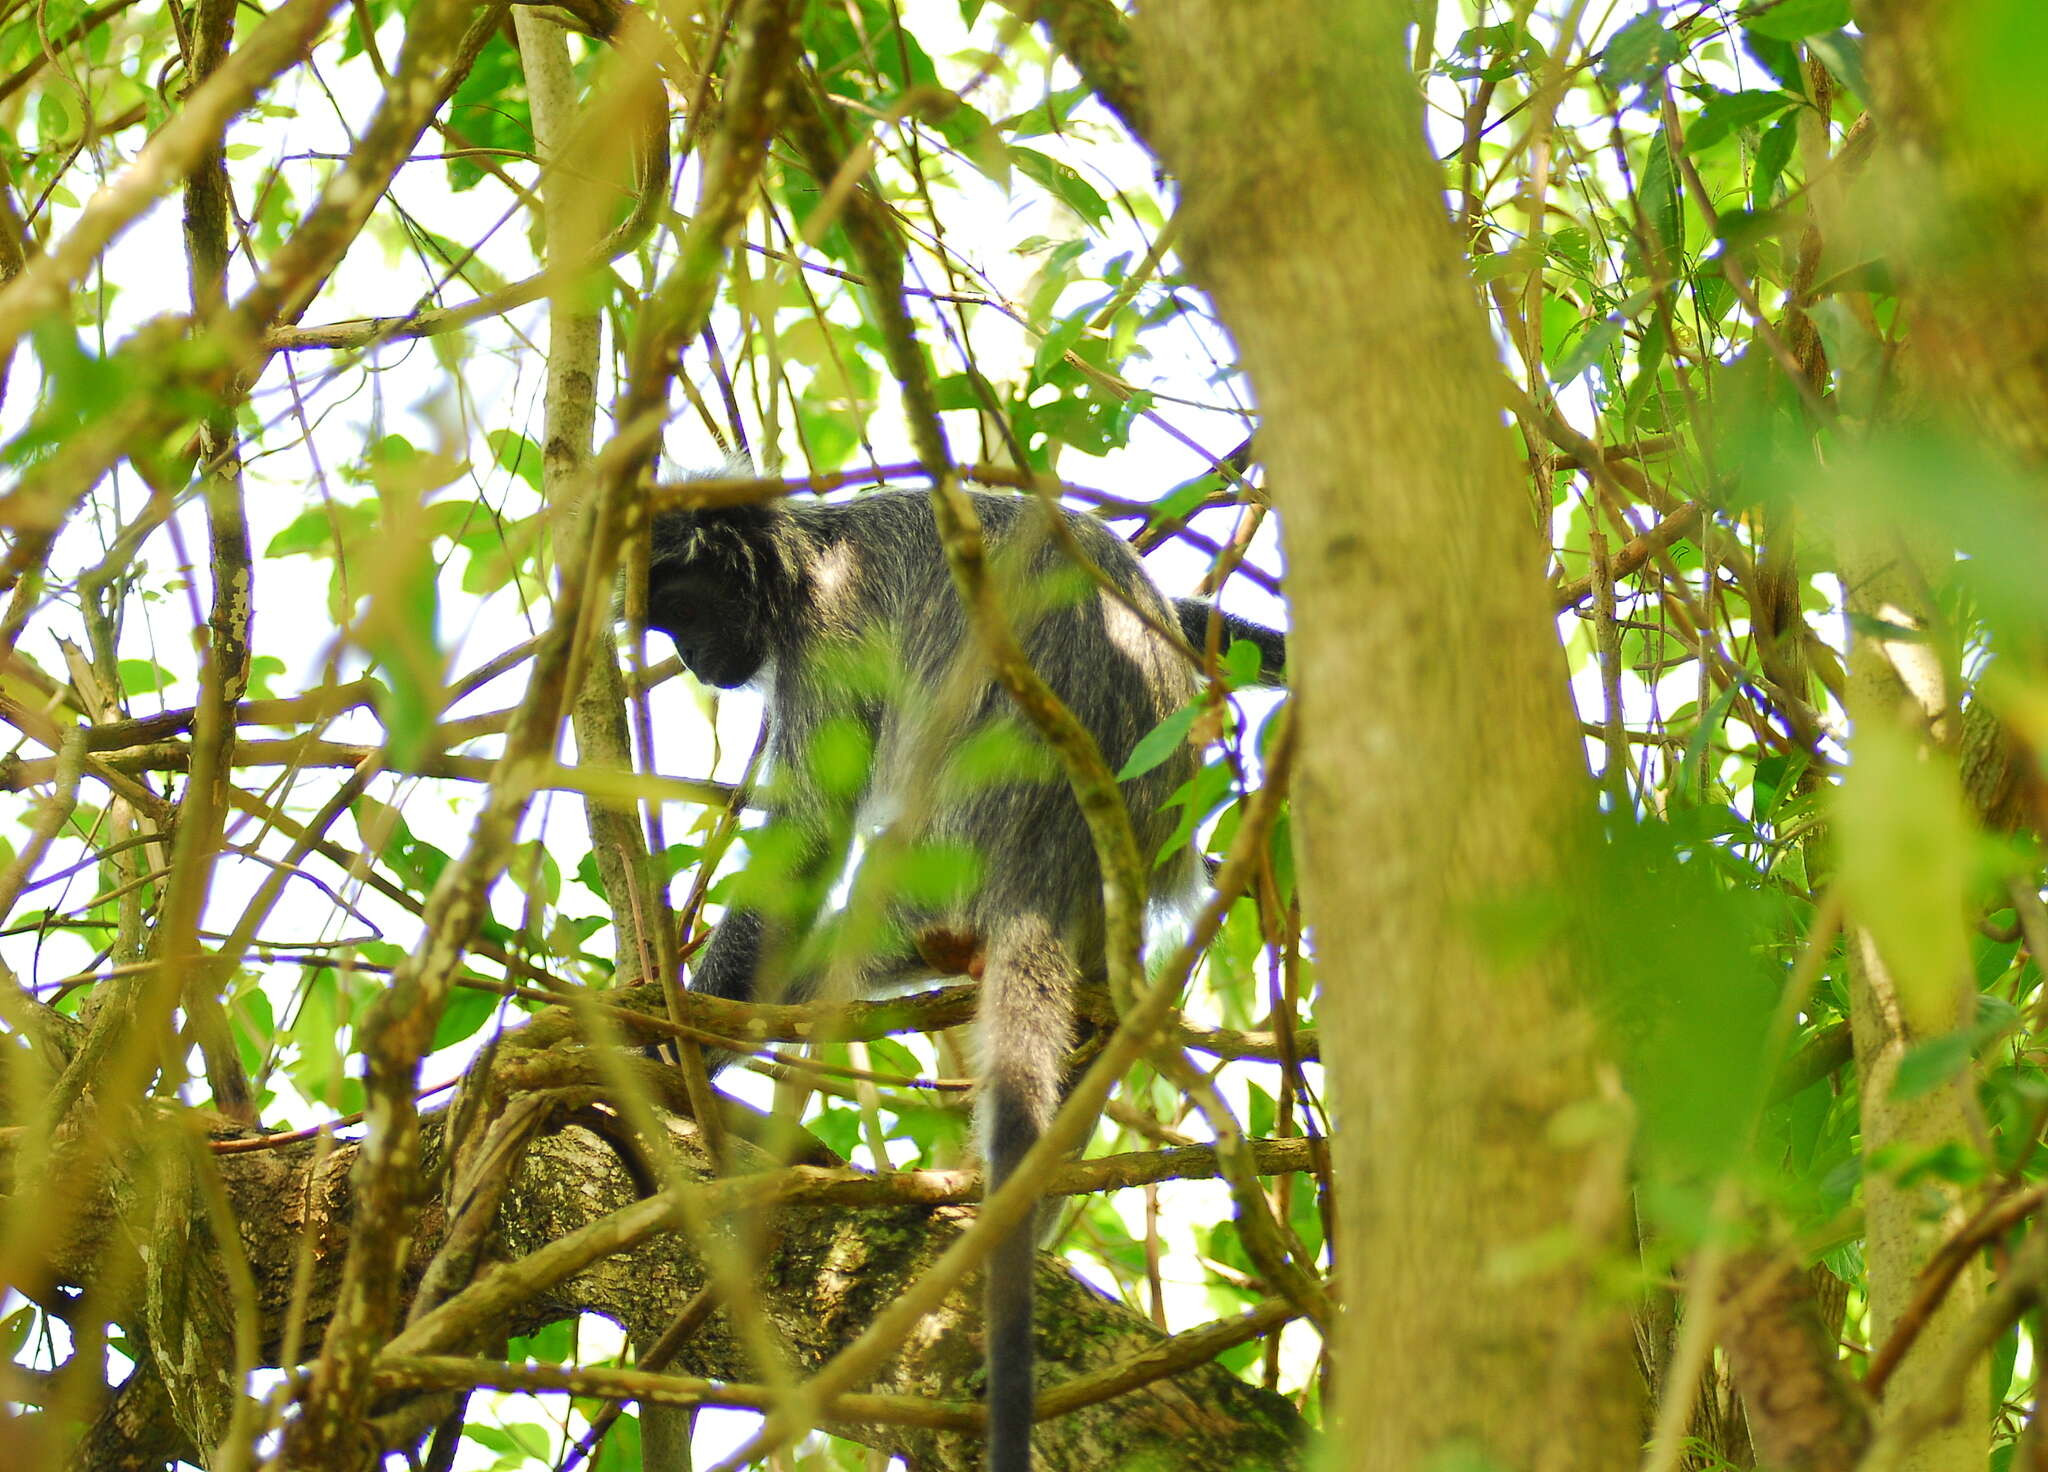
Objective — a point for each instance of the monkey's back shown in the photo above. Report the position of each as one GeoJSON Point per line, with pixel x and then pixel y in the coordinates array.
{"type": "Point", "coordinates": [880, 564]}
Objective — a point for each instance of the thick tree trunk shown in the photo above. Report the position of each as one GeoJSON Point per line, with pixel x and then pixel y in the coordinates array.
{"type": "Point", "coordinates": [1901, 996]}
{"type": "Point", "coordinates": [1440, 774]}
{"type": "Point", "coordinates": [1958, 195]}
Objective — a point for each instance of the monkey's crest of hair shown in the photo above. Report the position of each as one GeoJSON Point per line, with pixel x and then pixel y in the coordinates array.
{"type": "Point", "coordinates": [754, 549]}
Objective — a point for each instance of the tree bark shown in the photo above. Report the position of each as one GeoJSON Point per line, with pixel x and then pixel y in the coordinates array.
{"type": "Point", "coordinates": [1805, 1412]}
{"type": "Point", "coordinates": [823, 1273]}
{"type": "Point", "coordinates": [1959, 195]}
{"type": "Point", "coordinates": [1439, 769]}
{"type": "Point", "coordinates": [1898, 999]}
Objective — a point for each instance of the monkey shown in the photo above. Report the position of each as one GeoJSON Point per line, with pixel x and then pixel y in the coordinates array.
{"type": "Point", "coordinates": [804, 601]}
{"type": "Point", "coordinates": [1194, 616]}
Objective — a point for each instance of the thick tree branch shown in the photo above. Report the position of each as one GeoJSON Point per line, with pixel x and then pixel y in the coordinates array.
{"type": "Point", "coordinates": [1120, 1389]}
{"type": "Point", "coordinates": [1805, 1410]}
{"type": "Point", "coordinates": [1096, 40]}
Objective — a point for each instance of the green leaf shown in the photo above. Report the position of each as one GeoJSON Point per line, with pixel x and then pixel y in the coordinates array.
{"type": "Point", "coordinates": [399, 635]}
{"type": "Point", "coordinates": [1179, 502]}
{"type": "Point", "coordinates": [1156, 745]}
{"type": "Point", "coordinates": [253, 1026]}
{"type": "Point", "coordinates": [1197, 798]}
{"type": "Point", "coordinates": [1090, 419]}
{"type": "Point", "coordinates": [315, 531]}
{"type": "Point", "coordinates": [517, 454]}
{"type": "Point", "coordinates": [1727, 111]}
{"type": "Point", "coordinates": [979, 141]}
{"type": "Point", "coordinates": [490, 1438]}
{"type": "Point", "coordinates": [1905, 846]}
{"type": "Point", "coordinates": [1505, 49]}
{"type": "Point", "coordinates": [1054, 346]}
{"type": "Point", "coordinates": [552, 1344]}
{"type": "Point", "coordinates": [620, 1449]}
{"type": "Point", "coordinates": [1060, 180]}
{"type": "Point", "coordinates": [830, 435]}
{"type": "Point", "coordinates": [956, 391]}
{"type": "Point", "coordinates": [860, 42]}
{"type": "Point", "coordinates": [262, 669]}
{"type": "Point", "coordinates": [144, 677]}
{"type": "Point", "coordinates": [1591, 347]}
{"type": "Point", "coordinates": [499, 551]}
{"type": "Point", "coordinates": [1773, 152]}
{"type": "Point", "coordinates": [1927, 1066]}
{"type": "Point", "coordinates": [1241, 663]}
{"type": "Point", "coordinates": [1663, 216]}
{"type": "Point", "coordinates": [1649, 359]}
{"type": "Point", "coordinates": [1991, 71]}
{"type": "Point", "coordinates": [467, 1011]}
{"type": "Point", "coordinates": [841, 754]}
{"type": "Point", "coordinates": [414, 864]}
{"type": "Point", "coordinates": [316, 1071]}
{"type": "Point", "coordinates": [937, 875]}
{"type": "Point", "coordinates": [1002, 751]}
{"type": "Point", "coordinates": [1683, 986]}
{"type": "Point", "coordinates": [490, 108]}
{"type": "Point", "coordinates": [1779, 58]}
{"type": "Point", "coordinates": [1051, 115]}
{"type": "Point", "coordinates": [1640, 50]}
{"type": "Point", "coordinates": [1516, 262]}
{"type": "Point", "coordinates": [1573, 248]}
{"type": "Point", "coordinates": [891, 1056]}
{"type": "Point", "coordinates": [1793, 20]}
{"type": "Point", "coordinates": [2003, 1358]}
{"type": "Point", "coordinates": [838, 1128]}
{"type": "Point", "coordinates": [1741, 230]}
{"type": "Point", "coordinates": [308, 533]}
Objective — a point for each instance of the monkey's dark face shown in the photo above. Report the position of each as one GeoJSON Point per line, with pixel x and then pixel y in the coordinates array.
{"type": "Point", "coordinates": [720, 586]}
{"type": "Point", "coordinates": [719, 636]}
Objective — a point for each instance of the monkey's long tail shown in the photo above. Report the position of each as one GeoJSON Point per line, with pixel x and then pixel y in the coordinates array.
{"type": "Point", "coordinates": [1194, 614]}
{"type": "Point", "coordinates": [1026, 1026]}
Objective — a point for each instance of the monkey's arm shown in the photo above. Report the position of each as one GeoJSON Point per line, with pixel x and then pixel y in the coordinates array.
{"type": "Point", "coordinates": [731, 965]}
{"type": "Point", "coordinates": [731, 962]}
{"type": "Point", "coordinates": [1194, 617]}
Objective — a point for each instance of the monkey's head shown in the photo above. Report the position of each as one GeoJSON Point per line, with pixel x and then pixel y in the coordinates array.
{"type": "Point", "coordinates": [727, 586]}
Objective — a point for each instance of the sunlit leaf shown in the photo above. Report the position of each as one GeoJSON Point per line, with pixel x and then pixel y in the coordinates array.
{"type": "Point", "coordinates": [1640, 50]}
{"type": "Point", "coordinates": [1161, 742]}
{"type": "Point", "coordinates": [144, 677]}
{"type": "Point", "coordinates": [1727, 111]}
{"type": "Point", "coordinates": [1906, 858]}
{"type": "Point", "coordinates": [1791, 20]}
{"type": "Point", "coordinates": [1063, 182]}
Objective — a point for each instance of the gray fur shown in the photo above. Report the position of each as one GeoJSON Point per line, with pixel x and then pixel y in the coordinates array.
{"type": "Point", "coordinates": [785, 597]}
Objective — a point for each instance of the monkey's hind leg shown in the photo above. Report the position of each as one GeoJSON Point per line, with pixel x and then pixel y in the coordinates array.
{"type": "Point", "coordinates": [1027, 993]}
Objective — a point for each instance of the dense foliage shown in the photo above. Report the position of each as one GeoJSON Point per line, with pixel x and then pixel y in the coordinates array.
{"type": "Point", "coordinates": [305, 577]}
